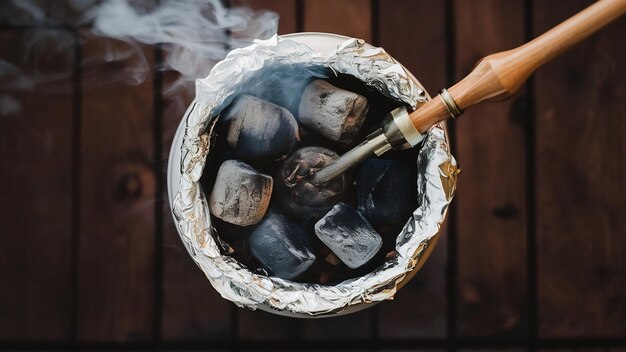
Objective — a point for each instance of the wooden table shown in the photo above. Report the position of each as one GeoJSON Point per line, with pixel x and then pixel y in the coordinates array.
{"type": "Point", "coordinates": [534, 255]}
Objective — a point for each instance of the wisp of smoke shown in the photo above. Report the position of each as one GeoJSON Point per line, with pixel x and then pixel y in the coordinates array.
{"type": "Point", "coordinates": [194, 34]}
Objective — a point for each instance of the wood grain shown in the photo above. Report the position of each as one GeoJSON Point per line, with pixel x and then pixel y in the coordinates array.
{"type": "Point", "coordinates": [355, 326]}
{"type": "Point", "coordinates": [423, 53]}
{"type": "Point", "coordinates": [491, 198]}
{"type": "Point", "coordinates": [419, 308]}
{"type": "Point", "coordinates": [352, 18]}
{"type": "Point", "coordinates": [581, 198]}
{"type": "Point", "coordinates": [500, 75]}
{"type": "Point", "coordinates": [36, 138]}
{"type": "Point", "coordinates": [116, 253]}
{"type": "Point", "coordinates": [262, 326]}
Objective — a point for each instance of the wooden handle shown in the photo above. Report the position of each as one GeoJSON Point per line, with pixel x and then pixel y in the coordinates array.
{"type": "Point", "coordinates": [498, 76]}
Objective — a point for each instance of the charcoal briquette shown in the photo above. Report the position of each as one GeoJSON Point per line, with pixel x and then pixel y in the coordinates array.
{"type": "Point", "coordinates": [281, 246]}
{"type": "Point", "coordinates": [240, 194]}
{"type": "Point", "coordinates": [348, 234]}
{"type": "Point", "coordinates": [297, 194]}
{"type": "Point", "coordinates": [258, 129]}
{"type": "Point", "coordinates": [386, 191]}
{"type": "Point", "coordinates": [333, 112]}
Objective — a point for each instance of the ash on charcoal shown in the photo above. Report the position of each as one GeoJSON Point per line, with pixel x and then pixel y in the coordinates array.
{"type": "Point", "coordinates": [335, 113]}
{"type": "Point", "coordinates": [281, 246]}
{"type": "Point", "coordinates": [300, 197]}
{"type": "Point", "coordinates": [386, 191]}
{"type": "Point", "coordinates": [348, 234]}
{"type": "Point", "coordinates": [259, 130]}
{"type": "Point", "coordinates": [240, 194]}
{"type": "Point", "coordinates": [298, 203]}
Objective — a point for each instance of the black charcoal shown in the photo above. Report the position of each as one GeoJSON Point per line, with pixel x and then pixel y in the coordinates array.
{"type": "Point", "coordinates": [386, 191]}
{"type": "Point", "coordinates": [281, 246]}
{"type": "Point", "coordinates": [333, 112]}
{"type": "Point", "coordinates": [297, 194]}
{"type": "Point", "coordinates": [258, 129]}
{"type": "Point", "coordinates": [240, 194]}
{"type": "Point", "coordinates": [348, 234]}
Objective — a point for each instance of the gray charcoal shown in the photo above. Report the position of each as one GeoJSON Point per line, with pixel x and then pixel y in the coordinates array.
{"type": "Point", "coordinates": [347, 233]}
{"type": "Point", "coordinates": [333, 112]}
{"type": "Point", "coordinates": [281, 246]}
{"type": "Point", "coordinates": [258, 129]}
{"type": "Point", "coordinates": [240, 194]}
{"type": "Point", "coordinates": [300, 197]}
{"type": "Point", "coordinates": [386, 191]}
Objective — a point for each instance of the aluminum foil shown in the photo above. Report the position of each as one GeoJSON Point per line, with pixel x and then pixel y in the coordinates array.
{"type": "Point", "coordinates": [436, 180]}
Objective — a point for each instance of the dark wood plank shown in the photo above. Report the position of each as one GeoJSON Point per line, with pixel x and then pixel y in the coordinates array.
{"type": "Point", "coordinates": [419, 308]}
{"type": "Point", "coordinates": [116, 259]}
{"type": "Point", "coordinates": [581, 197]}
{"type": "Point", "coordinates": [259, 325]}
{"type": "Point", "coordinates": [36, 142]}
{"type": "Point", "coordinates": [351, 18]}
{"type": "Point", "coordinates": [423, 53]}
{"type": "Point", "coordinates": [355, 326]}
{"type": "Point", "coordinates": [286, 9]}
{"type": "Point", "coordinates": [192, 309]}
{"type": "Point", "coordinates": [492, 191]}
{"type": "Point", "coordinates": [348, 17]}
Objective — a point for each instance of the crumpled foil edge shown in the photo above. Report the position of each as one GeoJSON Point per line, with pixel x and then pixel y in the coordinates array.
{"type": "Point", "coordinates": [245, 288]}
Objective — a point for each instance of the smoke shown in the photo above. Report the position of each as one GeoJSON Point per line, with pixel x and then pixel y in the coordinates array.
{"type": "Point", "coordinates": [9, 105]}
{"type": "Point", "coordinates": [194, 35]}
